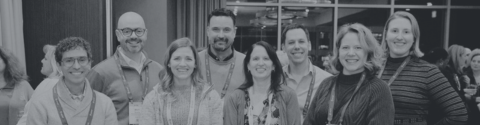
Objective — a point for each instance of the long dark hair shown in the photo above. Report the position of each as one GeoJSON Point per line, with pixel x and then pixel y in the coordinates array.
{"type": "Point", "coordinates": [13, 72]}
{"type": "Point", "coordinates": [276, 77]}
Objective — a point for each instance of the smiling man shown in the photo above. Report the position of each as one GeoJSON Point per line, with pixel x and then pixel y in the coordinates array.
{"type": "Point", "coordinates": [302, 76]}
{"type": "Point", "coordinates": [129, 75]}
{"type": "Point", "coordinates": [222, 66]}
{"type": "Point", "coordinates": [72, 101]}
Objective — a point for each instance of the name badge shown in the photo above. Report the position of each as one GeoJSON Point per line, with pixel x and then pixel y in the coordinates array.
{"type": "Point", "coordinates": [134, 112]}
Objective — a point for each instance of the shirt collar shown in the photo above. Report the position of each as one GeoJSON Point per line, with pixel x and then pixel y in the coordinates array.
{"type": "Point", "coordinates": [286, 69]}
{"type": "Point", "coordinates": [76, 97]}
{"type": "Point", "coordinates": [218, 59]}
{"type": "Point", "coordinates": [129, 61]}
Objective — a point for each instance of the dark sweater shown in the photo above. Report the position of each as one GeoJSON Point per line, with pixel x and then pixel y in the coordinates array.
{"type": "Point", "coordinates": [371, 105]}
{"type": "Point", "coordinates": [419, 86]}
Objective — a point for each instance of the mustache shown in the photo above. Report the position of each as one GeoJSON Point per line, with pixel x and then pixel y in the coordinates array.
{"type": "Point", "coordinates": [133, 40]}
{"type": "Point", "coordinates": [220, 39]}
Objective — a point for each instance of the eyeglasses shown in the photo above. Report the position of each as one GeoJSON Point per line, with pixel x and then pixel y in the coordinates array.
{"type": "Point", "coordinates": [71, 60]}
{"type": "Point", "coordinates": [225, 29]}
{"type": "Point", "coordinates": [128, 32]}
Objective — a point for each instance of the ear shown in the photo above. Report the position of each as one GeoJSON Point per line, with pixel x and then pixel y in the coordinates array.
{"type": "Point", "coordinates": [119, 34]}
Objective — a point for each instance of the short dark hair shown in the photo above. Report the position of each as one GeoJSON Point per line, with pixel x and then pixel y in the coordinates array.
{"type": "Point", "coordinates": [71, 43]}
{"type": "Point", "coordinates": [221, 12]}
{"type": "Point", "coordinates": [277, 76]}
{"type": "Point", "coordinates": [291, 27]}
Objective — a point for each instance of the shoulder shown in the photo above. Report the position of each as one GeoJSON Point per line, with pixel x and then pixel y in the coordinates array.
{"type": "Point", "coordinates": [286, 92]}
{"type": "Point", "coordinates": [320, 72]}
{"type": "Point", "coordinates": [422, 65]}
{"type": "Point", "coordinates": [24, 86]}
{"type": "Point", "coordinates": [155, 64]}
{"type": "Point", "coordinates": [104, 99]}
{"type": "Point", "coordinates": [377, 84]}
{"type": "Point", "coordinates": [105, 66]}
{"type": "Point", "coordinates": [239, 55]}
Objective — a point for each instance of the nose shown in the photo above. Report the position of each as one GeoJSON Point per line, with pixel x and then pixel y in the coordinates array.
{"type": "Point", "coordinates": [76, 65]}
{"type": "Point", "coordinates": [351, 52]}
{"type": "Point", "coordinates": [296, 45]}
{"type": "Point", "coordinates": [182, 63]}
{"type": "Point", "coordinates": [399, 36]}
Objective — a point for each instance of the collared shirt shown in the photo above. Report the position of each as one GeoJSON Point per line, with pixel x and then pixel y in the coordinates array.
{"type": "Point", "coordinates": [76, 98]}
{"type": "Point", "coordinates": [301, 87]}
{"type": "Point", "coordinates": [132, 63]}
{"type": "Point", "coordinates": [218, 59]}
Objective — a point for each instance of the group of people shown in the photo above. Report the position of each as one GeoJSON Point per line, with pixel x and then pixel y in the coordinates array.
{"type": "Point", "coordinates": [379, 83]}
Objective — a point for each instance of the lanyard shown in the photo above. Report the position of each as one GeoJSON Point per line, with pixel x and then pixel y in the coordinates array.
{"type": "Point", "coordinates": [250, 108]}
{"type": "Point", "coordinates": [190, 113]}
{"type": "Point", "coordinates": [344, 107]}
{"type": "Point", "coordinates": [129, 93]}
{"type": "Point", "coordinates": [209, 76]}
{"type": "Point", "coordinates": [60, 109]}
{"type": "Point", "coordinates": [310, 90]}
{"type": "Point", "coordinates": [396, 73]}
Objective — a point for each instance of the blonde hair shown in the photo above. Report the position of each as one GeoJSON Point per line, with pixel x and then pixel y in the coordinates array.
{"type": "Point", "coordinates": [455, 53]}
{"type": "Point", "coordinates": [49, 51]}
{"type": "Point", "coordinates": [167, 80]}
{"type": "Point", "coordinates": [369, 44]}
{"type": "Point", "coordinates": [415, 49]}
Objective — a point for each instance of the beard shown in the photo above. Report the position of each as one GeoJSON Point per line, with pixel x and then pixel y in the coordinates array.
{"type": "Point", "coordinates": [221, 48]}
{"type": "Point", "coordinates": [137, 41]}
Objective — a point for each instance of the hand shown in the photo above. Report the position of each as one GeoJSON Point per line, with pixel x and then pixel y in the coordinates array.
{"type": "Point", "coordinates": [467, 96]}
{"type": "Point", "coordinates": [477, 99]}
{"type": "Point", "coordinates": [466, 79]}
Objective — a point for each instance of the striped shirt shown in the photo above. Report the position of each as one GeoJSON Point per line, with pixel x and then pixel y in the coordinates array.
{"type": "Point", "coordinates": [421, 86]}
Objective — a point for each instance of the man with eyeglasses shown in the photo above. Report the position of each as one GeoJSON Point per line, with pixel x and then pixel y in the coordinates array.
{"type": "Point", "coordinates": [128, 75]}
{"type": "Point", "coordinates": [222, 65]}
{"type": "Point", "coordinates": [72, 101]}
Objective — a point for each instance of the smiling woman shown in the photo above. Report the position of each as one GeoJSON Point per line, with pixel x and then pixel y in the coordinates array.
{"type": "Point", "coordinates": [357, 57]}
{"type": "Point", "coordinates": [182, 97]}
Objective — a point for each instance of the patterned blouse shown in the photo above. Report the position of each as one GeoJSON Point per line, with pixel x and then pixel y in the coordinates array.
{"type": "Point", "coordinates": [260, 119]}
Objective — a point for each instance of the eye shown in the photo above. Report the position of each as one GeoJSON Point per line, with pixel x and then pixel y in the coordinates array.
{"type": "Point", "coordinates": [255, 58]}
{"type": "Point", "coordinates": [291, 42]}
{"type": "Point", "coordinates": [176, 58]}
{"type": "Point", "coordinates": [394, 30]}
{"type": "Point", "coordinates": [216, 29]}
{"type": "Point", "coordinates": [406, 32]}
{"type": "Point", "coordinates": [358, 47]}
{"type": "Point", "coordinates": [301, 41]}
{"type": "Point", "coordinates": [344, 47]}
{"type": "Point", "coordinates": [266, 58]}
{"type": "Point", "coordinates": [189, 58]}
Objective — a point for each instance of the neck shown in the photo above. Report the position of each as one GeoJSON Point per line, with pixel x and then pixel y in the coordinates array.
{"type": "Point", "coordinates": [476, 73]}
{"type": "Point", "coordinates": [397, 55]}
{"type": "Point", "coordinates": [75, 88]}
{"type": "Point", "coordinates": [299, 68]}
{"type": "Point", "coordinates": [182, 83]}
{"type": "Point", "coordinates": [346, 72]}
{"type": "Point", "coordinates": [137, 57]}
{"type": "Point", "coordinates": [221, 54]}
{"type": "Point", "coordinates": [261, 85]}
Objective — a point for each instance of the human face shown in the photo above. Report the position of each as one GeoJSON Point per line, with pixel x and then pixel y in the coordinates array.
{"type": "Point", "coordinates": [260, 64]}
{"type": "Point", "coordinates": [399, 37]}
{"type": "Point", "coordinates": [182, 63]}
{"type": "Point", "coordinates": [75, 73]}
{"type": "Point", "coordinates": [46, 66]}
{"type": "Point", "coordinates": [221, 33]}
{"type": "Point", "coordinates": [296, 46]}
{"type": "Point", "coordinates": [351, 54]}
{"type": "Point", "coordinates": [133, 43]}
{"type": "Point", "coordinates": [466, 55]}
{"type": "Point", "coordinates": [475, 63]}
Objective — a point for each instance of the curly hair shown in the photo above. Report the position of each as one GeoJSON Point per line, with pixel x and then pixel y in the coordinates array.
{"type": "Point", "coordinates": [374, 52]}
{"type": "Point", "coordinates": [71, 43]}
{"type": "Point", "coordinates": [13, 72]}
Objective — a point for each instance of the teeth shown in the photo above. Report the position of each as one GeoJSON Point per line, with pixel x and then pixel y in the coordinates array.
{"type": "Point", "coordinates": [399, 43]}
{"type": "Point", "coordinates": [76, 73]}
{"type": "Point", "coordinates": [261, 70]}
{"type": "Point", "coordinates": [182, 70]}
{"type": "Point", "coordinates": [352, 60]}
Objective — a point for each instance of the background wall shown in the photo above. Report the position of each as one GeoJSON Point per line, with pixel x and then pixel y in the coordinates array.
{"type": "Point", "coordinates": [49, 21]}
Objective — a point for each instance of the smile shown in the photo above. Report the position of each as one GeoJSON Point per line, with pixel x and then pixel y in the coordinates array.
{"type": "Point", "coordinates": [351, 60]}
